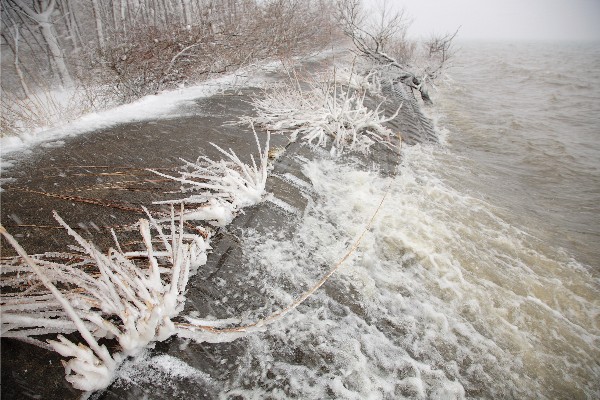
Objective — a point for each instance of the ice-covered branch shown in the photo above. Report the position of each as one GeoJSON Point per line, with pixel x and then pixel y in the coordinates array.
{"type": "Point", "coordinates": [221, 189]}
{"type": "Point", "coordinates": [384, 42]}
{"type": "Point", "coordinates": [330, 111]}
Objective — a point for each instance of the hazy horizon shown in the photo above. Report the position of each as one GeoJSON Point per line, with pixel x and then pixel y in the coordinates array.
{"type": "Point", "coordinates": [506, 20]}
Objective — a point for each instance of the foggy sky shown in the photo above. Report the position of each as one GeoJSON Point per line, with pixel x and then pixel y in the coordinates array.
{"type": "Point", "coordinates": [505, 19]}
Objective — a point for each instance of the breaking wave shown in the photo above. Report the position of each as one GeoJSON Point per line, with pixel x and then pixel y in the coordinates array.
{"type": "Point", "coordinates": [478, 277]}
{"type": "Point", "coordinates": [443, 299]}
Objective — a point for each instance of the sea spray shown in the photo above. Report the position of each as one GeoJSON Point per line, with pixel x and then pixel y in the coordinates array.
{"type": "Point", "coordinates": [443, 299]}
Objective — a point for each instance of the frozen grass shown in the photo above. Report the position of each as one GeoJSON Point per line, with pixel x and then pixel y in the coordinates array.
{"type": "Point", "coordinates": [324, 111]}
{"type": "Point", "coordinates": [221, 189]}
{"type": "Point", "coordinates": [132, 297]}
{"type": "Point", "coordinates": [45, 108]}
{"type": "Point", "coordinates": [129, 296]}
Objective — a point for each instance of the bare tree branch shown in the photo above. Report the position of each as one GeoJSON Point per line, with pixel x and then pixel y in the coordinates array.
{"type": "Point", "coordinates": [382, 39]}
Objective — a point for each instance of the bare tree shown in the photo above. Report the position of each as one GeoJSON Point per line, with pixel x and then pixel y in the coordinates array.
{"type": "Point", "coordinates": [138, 47]}
{"type": "Point", "coordinates": [43, 18]}
{"type": "Point", "coordinates": [439, 50]}
{"type": "Point", "coordinates": [99, 25]}
{"type": "Point", "coordinates": [383, 40]}
{"type": "Point", "coordinates": [20, 74]}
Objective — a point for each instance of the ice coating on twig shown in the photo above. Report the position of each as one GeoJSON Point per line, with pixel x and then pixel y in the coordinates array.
{"type": "Point", "coordinates": [329, 111]}
{"type": "Point", "coordinates": [221, 188]}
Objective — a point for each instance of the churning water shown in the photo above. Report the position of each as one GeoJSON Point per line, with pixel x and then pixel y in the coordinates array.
{"type": "Point", "coordinates": [480, 275]}
{"type": "Point", "coordinates": [526, 119]}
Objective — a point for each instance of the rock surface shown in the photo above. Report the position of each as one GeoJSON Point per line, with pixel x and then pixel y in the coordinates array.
{"type": "Point", "coordinates": [98, 180]}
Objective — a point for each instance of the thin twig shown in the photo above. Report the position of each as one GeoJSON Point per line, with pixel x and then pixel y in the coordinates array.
{"type": "Point", "coordinates": [79, 199]}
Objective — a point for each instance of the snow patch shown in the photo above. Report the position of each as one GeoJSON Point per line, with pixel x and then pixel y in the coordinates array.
{"type": "Point", "coordinates": [168, 104]}
{"type": "Point", "coordinates": [160, 370]}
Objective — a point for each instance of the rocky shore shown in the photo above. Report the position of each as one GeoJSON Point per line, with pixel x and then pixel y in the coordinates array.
{"type": "Point", "coordinates": [99, 180]}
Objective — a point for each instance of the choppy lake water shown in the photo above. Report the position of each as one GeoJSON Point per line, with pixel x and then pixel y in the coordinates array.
{"type": "Point", "coordinates": [526, 118]}
{"type": "Point", "coordinates": [480, 276]}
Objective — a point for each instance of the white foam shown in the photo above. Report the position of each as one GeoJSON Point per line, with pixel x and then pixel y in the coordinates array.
{"type": "Point", "coordinates": [435, 303]}
{"type": "Point", "coordinates": [146, 369]}
{"type": "Point", "coordinates": [168, 104]}
{"type": "Point", "coordinates": [282, 204]}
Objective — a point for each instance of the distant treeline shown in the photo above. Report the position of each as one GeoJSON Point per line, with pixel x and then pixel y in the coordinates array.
{"type": "Point", "coordinates": [125, 49]}
{"type": "Point", "coordinates": [108, 52]}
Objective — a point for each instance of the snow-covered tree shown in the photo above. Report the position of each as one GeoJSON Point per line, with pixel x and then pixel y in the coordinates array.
{"type": "Point", "coordinates": [131, 48]}
{"type": "Point", "coordinates": [41, 13]}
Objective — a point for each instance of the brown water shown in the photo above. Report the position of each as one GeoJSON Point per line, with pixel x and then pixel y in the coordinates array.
{"type": "Point", "coordinates": [527, 119]}
{"type": "Point", "coordinates": [480, 277]}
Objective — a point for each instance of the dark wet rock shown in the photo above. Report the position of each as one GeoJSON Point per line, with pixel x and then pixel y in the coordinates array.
{"type": "Point", "coordinates": [411, 123]}
{"type": "Point", "coordinates": [98, 180]}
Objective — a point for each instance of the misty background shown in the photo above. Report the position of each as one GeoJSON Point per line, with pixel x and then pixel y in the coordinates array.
{"type": "Point", "coordinates": [506, 20]}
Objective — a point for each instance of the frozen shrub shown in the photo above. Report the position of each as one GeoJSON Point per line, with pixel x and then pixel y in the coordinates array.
{"type": "Point", "coordinates": [221, 189]}
{"type": "Point", "coordinates": [329, 111]}
{"type": "Point", "coordinates": [131, 297]}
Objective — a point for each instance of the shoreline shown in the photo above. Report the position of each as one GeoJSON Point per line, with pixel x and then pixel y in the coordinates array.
{"type": "Point", "coordinates": [95, 187]}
